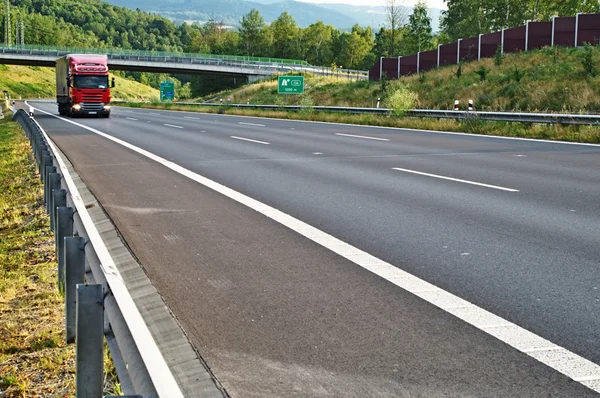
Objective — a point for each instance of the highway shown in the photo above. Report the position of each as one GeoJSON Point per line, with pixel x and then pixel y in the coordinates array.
{"type": "Point", "coordinates": [511, 226]}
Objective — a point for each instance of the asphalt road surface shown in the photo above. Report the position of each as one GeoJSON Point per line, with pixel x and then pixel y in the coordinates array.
{"type": "Point", "coordinates": [511, 226]}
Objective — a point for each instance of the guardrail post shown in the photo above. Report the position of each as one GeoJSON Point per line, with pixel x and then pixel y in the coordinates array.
{"type": "Point", "coordinates": [64, 228]}
{"type": "Point", "coordinates": [53, 184]}
{"type": "Point", "coordinates": [74, 275]}
{"type": "Point", "coordinates": [49, 170]}
{"type": "Point", "coordinates": [59, 199]}
{"type": "Point", "coordinates": [46, 163]}
{"type": "Point", "coordinates": [41, 167]}
{"type": "Point", "coordinates": [89, 362]}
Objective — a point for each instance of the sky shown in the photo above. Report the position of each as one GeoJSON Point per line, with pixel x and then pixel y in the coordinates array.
{"type": "Point", "coordinates": [408, 3]}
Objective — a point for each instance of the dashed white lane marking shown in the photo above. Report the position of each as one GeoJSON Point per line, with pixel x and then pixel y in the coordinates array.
{"type": "Point", "coordinates": [563, 360]}
{"type": "Point", "coordinates": [130, 118]}
{"type": "Point", "coordinates": [248, 139]}
{"type": "Point", "coordinates": [456, 180]}
{"type": "Point", "coordinates": [363, 137]}
{"type": "Point", "coordinates": [172, 125]}
{"type": "Point", "coordinates": [317, 153]}
{"type": "Point", "coordinates": [252, 124]}
{"type": "Point", "coordinates": [191, 117]}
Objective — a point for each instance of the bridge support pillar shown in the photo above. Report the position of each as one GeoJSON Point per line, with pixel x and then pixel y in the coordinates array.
{"type": "Point", "coordinates": [255, 78]}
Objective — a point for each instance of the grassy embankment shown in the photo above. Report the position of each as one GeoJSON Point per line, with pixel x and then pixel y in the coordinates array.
{"type": "Point", "coordinates": [37, 82]}
{"type": "Point", "coordinates": [34, 359]}
{"type": "Point", "coordinates": [548, 80]}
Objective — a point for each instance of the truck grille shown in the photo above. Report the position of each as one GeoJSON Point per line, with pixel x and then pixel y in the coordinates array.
{"type": "Point", "coordinates": [94, 106]}
{"type": "Point", "coordinates": [91, 97]}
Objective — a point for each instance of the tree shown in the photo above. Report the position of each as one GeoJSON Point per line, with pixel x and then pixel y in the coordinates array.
{"type": "Point", "coordinates": [396, 17]}
{"type": "Point", "coordinates": [317, 41]}
{"type": "Point", "coordinates": [466, 18]}
{"type": "Point", "coordinates": [286, 36]}
{"type": "Point", "coordinates": [419, 35]}
{"type": "Point", "coordinates": [355, 47]}
{"type": "Point", "coordinates": [251, 32]}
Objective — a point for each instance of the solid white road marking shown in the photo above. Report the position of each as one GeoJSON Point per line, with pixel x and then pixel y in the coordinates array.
{"type": "Point", "coordinates": [191, 117]}
{"type": "Point", "coordinates": [172, 125]}
{"type": "Point", "coordinates": [248, 139]}
{"type": "Point", "coordinates": [457, 180]}
{"type": "Point", "coordinates": [252, 124]}
{"type": "Point", "coordinates": [362, 136]}
{"type": "Point", "coordinates": [130, 118]}
{"type": "Point", "coordinates": [564, 361]}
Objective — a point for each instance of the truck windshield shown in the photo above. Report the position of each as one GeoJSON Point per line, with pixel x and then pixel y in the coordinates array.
{"type": "Point", "coordinates": [90, 81]}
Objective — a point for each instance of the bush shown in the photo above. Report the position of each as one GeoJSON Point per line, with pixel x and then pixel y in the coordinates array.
{"type": "Point", "coordinates": [458, 72]}
{"type": "Point", "coordinates": [518, 74]}
{"type": "Point", "coordinates": [307, 103]}
{"type": "Point", "coordinates": [587, 60]}
{"type": "Point", "coordinates": [482, 72]}
{"type": "Point", "coordinates": [498, 56]}
{"type": "Point", "coordinates": [401, 100]}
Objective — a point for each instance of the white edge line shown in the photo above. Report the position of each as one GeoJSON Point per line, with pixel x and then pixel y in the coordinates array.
{"type": "Point", "coordinates": [172, 125]}
{"type": "Point", "coordinates": [385, 270]}
{"type": "Point", "coordinates": [190, 117]}
{"type": "Point", "coordinates": [456, 180]}
{"type": "Point", "coordinates": [161, 375]}
{"type": "Point", "coordinates": [363, 137]}
{"type": "Point", "coordinates": [497, 137]}
{"type": "Point", "coordinates": [252, 124]}
{"type": "Point", "coordinates": [248, 139]}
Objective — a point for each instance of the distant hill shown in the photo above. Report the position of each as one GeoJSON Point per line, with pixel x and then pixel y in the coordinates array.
{"type": "Point", "coordinates": [230, 12]}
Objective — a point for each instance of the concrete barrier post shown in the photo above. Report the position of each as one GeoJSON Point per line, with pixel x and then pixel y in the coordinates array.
{"type": "Point", "coordinates": [89, 361]}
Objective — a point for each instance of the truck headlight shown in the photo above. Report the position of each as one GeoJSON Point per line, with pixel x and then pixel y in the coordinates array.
{"type": "Point", "coordinates": [107, 107]}
{"type": "Point", "coordinates": [77, 107]}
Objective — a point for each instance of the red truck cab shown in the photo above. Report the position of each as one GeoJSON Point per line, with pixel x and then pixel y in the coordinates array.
{"type": "Point", "coordinates": [82, 86]}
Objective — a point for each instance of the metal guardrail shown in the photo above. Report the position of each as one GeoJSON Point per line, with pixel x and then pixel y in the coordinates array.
{"type": "Point", "coordinates": [98, 302]}
{"type": "Point", "coordinates": [545, 118]}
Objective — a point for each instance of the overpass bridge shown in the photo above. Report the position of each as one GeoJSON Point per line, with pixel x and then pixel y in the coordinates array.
{"type": "Point", "coordinates": [253, 68]}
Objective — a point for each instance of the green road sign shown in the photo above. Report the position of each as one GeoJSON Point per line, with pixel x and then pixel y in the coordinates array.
{"type": "Point", "coordinates": [167, 90]}
{"type": "Point", "coordinates": [290, 85]}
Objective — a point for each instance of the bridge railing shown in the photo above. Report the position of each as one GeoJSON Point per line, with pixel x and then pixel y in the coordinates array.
{"type": "Point", "coordinates": [27, 48]}
{"type": "Point", "coordinates": [261, 64]}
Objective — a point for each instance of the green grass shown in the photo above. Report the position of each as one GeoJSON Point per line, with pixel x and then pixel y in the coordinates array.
{"type": "Point", "coordinates": [37, 82]}
{"type": "Point", "coordinates": [34, 359]}
{"type": "Point", "coordinates": [547, 80]}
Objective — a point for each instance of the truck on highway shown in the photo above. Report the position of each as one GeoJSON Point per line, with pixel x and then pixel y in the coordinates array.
{"type": "Point", "coordinates": [82, 85]}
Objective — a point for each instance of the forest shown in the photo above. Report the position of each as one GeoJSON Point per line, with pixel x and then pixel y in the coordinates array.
{"type": "Point", "coordinates": [95, 23]}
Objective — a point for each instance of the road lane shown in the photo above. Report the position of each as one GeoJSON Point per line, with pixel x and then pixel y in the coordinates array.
{"type": "Point", "coordinates": [377, 224]}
